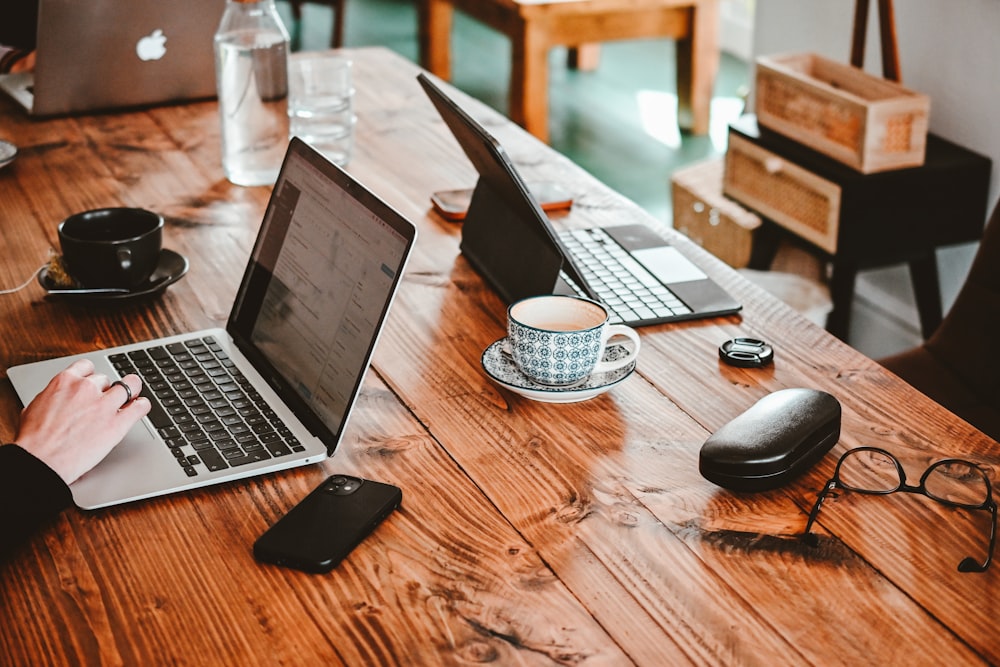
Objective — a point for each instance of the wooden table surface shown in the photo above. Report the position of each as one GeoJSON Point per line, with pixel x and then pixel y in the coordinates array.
{"type": "Point", "coordinates": [530, 533]}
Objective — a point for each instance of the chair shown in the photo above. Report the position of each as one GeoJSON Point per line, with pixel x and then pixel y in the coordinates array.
{"type": "Point", "coordinates": [959, 365]}
{"type": "Point", "coordinates": [336, 32]}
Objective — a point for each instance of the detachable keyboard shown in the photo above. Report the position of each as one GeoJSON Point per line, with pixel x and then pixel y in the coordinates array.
{"type": "Point", "coordinates": [624, 285]}
{"type": "Point", "coordinates": [204, 408]}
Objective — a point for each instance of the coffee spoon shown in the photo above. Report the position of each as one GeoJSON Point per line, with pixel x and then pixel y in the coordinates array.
{"type": "Point", "coordinates": [90, 290]}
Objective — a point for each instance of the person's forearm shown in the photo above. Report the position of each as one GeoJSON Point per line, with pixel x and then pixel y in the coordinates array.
{"type": "Point", "coordinates": [31, 493]}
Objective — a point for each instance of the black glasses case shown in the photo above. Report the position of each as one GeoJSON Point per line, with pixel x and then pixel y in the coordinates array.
{"type": "Point", "coordinates": [776, 439]}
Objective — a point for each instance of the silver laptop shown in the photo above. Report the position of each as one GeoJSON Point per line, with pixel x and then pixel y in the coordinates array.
{"type": "Point", "coordinates": [508, 238]}
{"type": "Point", "coordinates": [274, 389]}
{"type": "Point", "coordinates": [109, 54]}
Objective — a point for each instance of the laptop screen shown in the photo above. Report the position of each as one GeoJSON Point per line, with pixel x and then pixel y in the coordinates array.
{"type": "Point", "coordinates": [108, 54]}
{"type": "Point", "coordinates": [318, 287]}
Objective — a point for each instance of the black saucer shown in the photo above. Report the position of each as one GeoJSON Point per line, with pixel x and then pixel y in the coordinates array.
{"type": "Point", "coordinates": [171, 268]}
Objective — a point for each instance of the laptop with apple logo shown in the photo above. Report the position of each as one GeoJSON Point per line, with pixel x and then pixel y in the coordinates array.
{"type": "Point", "coordinates": [102, 55]}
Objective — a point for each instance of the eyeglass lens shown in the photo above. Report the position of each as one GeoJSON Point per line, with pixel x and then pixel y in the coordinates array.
{"type": "Point", "coordinates": [957, 482]}
{"type": "Point", "coordinates": [869, 470]}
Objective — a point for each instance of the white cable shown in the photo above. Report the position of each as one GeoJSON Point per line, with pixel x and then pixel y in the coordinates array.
{"type": "Point", "coordinates": [25, 283]}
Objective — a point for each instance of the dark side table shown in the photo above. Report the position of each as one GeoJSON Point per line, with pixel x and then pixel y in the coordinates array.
{"type": "Point", "coordinates": [858, 221]}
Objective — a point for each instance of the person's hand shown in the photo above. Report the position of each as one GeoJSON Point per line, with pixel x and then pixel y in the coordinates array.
{"type": "Point", "coordinates": [78, 418]}
{"type": "Point", "coordinates": [25, 64]}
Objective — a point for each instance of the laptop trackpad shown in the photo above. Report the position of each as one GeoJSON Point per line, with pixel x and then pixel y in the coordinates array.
{"type": "Point", "coordinates": [669, 265]}
{"type": "Point", "coordinates": [20, 86]}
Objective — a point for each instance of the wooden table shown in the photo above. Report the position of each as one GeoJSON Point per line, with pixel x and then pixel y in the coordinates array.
{"type": "Point", "coordinates": [530, 533]}
{"type": "Point", "coordinates": [535, 26]}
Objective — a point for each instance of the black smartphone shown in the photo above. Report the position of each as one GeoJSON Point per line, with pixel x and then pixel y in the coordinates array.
{"type": "Point", "coordinates": [327, 524]}
{"type": "Point", "coordinates": [453, 204]}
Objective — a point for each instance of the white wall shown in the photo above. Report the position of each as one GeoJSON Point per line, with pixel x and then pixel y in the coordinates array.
{"type": "Point", "coordinates": [949, 50]}
{"type": "Point", "coordinates": [736, 28]}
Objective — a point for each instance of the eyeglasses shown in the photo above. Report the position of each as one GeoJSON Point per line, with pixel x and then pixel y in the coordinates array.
{"type": "Point", "coordinates": [951, 482]}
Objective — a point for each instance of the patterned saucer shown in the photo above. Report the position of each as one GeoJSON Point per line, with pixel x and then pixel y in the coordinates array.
{"type": "Point", "coordinates": [501, 368]}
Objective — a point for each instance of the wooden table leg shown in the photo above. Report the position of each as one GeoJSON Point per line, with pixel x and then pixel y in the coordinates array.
{"type": "Point", "coordinates": [435, 20]}
{"type": "Point", "coordinates": [529, 82]}
{"type": "Point", "coordinates": [927, 290]}
{"type": "Point", "coordinates": [697, 66]}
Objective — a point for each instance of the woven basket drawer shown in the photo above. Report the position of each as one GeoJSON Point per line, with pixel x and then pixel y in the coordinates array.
{"type": "Point", "coordinates": [713, 221]}
{"type": "Point", "coordinates": [793, 197]}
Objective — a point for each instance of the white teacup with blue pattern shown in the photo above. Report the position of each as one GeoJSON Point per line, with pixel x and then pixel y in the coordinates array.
{"type": "Point", "coordinates": [560, 340]}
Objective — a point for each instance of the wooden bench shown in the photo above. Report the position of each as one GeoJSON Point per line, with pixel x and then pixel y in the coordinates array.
{"type": "Point", "coordinates": [535, 26]}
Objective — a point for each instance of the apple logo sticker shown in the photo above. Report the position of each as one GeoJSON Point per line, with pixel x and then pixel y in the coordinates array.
{"type": "Point", "coordinates": [152, 46]}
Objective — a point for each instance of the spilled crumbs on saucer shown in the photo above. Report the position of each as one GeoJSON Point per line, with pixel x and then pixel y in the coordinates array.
{"type": "Point", "coordinates": [58, 276]}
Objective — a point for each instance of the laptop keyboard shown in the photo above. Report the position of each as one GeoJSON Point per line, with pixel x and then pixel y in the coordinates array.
{"type": "Point", "coordinates": [624, 285]}
{"type": "Point", "coordinates": [204, 408]}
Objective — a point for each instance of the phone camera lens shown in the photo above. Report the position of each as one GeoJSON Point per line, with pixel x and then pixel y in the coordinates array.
{"type": "Point", "coordinates": [343, 485]}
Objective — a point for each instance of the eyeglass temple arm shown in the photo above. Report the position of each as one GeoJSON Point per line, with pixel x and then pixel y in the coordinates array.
{"type": "Point", "coordinates": [830, 487]}
{"type": "Point", "coordinates": [969, 563]}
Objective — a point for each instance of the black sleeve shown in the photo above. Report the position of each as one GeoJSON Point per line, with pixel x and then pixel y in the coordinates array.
{"type": "Point", "coordinates": [31, 493]}
{"type": "Point", "coordinates": [19, 23]}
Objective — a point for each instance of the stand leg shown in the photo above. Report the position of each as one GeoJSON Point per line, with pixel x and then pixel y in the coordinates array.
{"type": "Point", "coordinates": [766, 240]}
{"type": "Point", "coordinates": [927, 290]}
{"type": "Point", "coordinates": [842, 294]}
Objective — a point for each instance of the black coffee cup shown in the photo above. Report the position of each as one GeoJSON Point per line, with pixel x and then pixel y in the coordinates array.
{"type": "Point", "coordinates": [111, 247]}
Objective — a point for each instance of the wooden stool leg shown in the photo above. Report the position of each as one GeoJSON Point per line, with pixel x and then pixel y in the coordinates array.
{"type": "Point", "coordinates": [337, 33]}
{"type": "Point", "coordinates": [842, 294]}
{"type": "Point", "coordinates": [584, 57]}
{"type": "Point", "coordinates": [927, 290]}
{"type": "Point", "coordinates": [529, 82]}
{"type": "Point", "coordinates": [697, 66]}
{"type": "Point", "coordinates": [435, 19]}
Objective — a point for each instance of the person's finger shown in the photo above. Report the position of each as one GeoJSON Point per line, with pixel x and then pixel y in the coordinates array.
{"type": "Point", "coordinates": [99, 380]}
{"type": "Point", "coordinates": [136, 410]}
{"type": "Point", "coordinates": [123, 385]}
{"type": "Point", "coordinates": [134, 383]}
{"type": "Point", "coordinates": [124, 391]}
{"type": "Point", "coordinates": [81, 368]}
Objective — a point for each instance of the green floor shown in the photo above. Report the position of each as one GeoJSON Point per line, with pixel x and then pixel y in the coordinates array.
{"type": "Point", "coordinates": [617, 122]}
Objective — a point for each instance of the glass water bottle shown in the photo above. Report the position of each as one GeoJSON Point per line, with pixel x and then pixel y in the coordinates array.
{"type": "Point", "coordinates": [251, 69]}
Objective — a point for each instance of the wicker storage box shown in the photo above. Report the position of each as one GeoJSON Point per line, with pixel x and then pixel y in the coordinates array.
{"type": "Point", "coordinates": [711, 220]}
{"type": "Point", "coordinates": [793, 197]}
{"type": "Point", "coordinates": [866, 122]}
